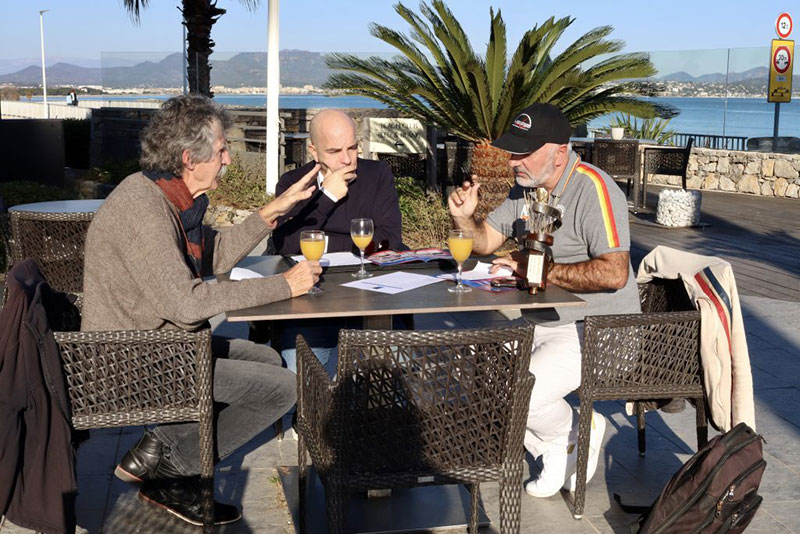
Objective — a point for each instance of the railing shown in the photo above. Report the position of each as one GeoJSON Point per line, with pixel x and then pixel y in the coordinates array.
{"type": "Point", "coordinates": [723, 142]}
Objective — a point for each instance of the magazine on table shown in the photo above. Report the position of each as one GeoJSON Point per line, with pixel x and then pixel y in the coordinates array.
{"type": "Point", "coordinates": [393, 257]}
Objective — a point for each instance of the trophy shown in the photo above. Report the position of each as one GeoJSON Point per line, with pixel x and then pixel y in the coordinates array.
{"type": "Point", "coordinates": [543, 220]}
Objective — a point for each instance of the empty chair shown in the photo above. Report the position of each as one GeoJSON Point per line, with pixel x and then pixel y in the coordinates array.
{"type": "Point", "coordinates": [619, 158]}
{"type": "Point", "coordinates": [670, 161]}
{"type": "Point", "coordinates": [56, 241]}
{"type": "Point", "coordinates": [417, 408]}
{"type": "Point", "coordinates": [652, 355]}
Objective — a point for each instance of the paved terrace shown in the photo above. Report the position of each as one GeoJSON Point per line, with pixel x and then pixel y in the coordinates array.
{"type": "Point", "coordinates": [759, 236]}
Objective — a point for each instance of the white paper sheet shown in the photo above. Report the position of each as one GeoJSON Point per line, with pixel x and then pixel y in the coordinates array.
{"type": "Point", "coordinates": [238, 273]}
{"type": "Point", "coordinates": [480, 272]}
{"type": "Point", "coordinates": [335, 259]}
{"type": "Point", "coordinates": [392, 283]}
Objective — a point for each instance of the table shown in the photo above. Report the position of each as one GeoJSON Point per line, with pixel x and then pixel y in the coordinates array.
{"type": "Point", "coordinates": [60, 206]}
{"type": "Point", "coordinates": [409, 510]}
{"type": "Point", "coordinates": [377, 309]}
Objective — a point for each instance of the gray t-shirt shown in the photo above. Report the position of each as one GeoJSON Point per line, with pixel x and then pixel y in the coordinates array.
{"type": "Point", "coordinates": [594, 222]}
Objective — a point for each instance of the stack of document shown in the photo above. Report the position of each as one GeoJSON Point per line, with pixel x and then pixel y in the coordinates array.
{"type": "Point", "coordinates": [395, 282]}
{"type": "Point", "coordinates": [480, 272]}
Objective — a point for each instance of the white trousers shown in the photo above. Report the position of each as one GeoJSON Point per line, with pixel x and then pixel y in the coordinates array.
{"type": "Point", "coordinates": [556, 363]}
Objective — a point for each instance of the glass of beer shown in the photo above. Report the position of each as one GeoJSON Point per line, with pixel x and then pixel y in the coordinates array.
{"type": "Point", "coordinates": [312, 245]}
{"type": "Point", "coordinates": [460, 244]}
{"type": "Point", "coordinates": [361, 230]}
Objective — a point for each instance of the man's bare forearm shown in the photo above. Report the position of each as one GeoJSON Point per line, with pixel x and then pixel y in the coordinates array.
{"type": "Point", "coordinates": [608, 271]}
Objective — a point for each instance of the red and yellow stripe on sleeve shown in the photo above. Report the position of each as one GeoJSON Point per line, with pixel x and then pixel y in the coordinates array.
{"type": "Point", "coordinates": [605, 204]}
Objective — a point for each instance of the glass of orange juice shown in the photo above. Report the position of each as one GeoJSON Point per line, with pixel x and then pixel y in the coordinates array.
{"type": "Point", "coordinates": [460, 244]}
{"type": "Point", "coordinates": [312, 245]}
{"type": "Point", "coordinates": [361, 230]}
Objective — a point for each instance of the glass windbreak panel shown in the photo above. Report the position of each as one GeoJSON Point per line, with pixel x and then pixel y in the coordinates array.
{"type": "Point", "coordinates": [748, 112]}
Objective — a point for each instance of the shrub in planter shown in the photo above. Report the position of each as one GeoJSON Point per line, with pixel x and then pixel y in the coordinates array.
{"type": "Point", "coordinates": [426, 219]}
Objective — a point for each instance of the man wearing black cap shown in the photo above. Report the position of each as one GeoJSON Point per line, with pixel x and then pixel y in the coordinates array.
{"type": "Point", "coordinates": [590, 253]}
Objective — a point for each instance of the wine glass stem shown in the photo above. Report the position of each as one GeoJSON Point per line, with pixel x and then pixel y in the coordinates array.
{"type": "Point", "coordinates": [459, 275]}
{"type": "Point", "coordinates": [362, 270]}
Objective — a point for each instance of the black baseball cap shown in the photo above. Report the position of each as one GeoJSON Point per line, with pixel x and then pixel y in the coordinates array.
{"type": "Point", "coordinates": [533, 127]}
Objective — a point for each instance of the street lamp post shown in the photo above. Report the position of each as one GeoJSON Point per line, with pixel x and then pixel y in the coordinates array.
{"type": "Point", "coordinates": [44, 75]}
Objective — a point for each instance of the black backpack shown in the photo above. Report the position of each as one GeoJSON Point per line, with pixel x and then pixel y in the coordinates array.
{"type": "Point", "coordinates": [714, 492]}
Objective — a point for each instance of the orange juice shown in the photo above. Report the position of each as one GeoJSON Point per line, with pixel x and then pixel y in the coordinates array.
{"type": "Point", "coordinates": [361, 241]}
{"type": "Point", "coordinates": [460, 248]}
{"type": "Point", "coordinates": [312, 249]}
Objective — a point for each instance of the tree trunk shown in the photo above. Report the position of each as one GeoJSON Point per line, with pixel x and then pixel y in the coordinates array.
{"type": "Point", "coordinates": [490, 166]}
{"type": "Point", "coordinates": [198, 17]}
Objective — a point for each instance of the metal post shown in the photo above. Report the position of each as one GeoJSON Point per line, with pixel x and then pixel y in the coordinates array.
{"type": "Point", "coordinates": [725, 112]}
{"type": "Point", "coordinates": [775, 128]}
{"type": "Point", "coordinates": [273, 90]}
{"type": "Point", "coordinates": [431, 166]}
{"type": "Point", "coordinates": [185, 73]}
{"type": "Point", "coordinates": [44, 75]}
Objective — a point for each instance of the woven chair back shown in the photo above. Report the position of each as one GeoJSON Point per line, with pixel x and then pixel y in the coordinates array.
{"type": "Point", "coordinates": [627, 354]}
{"type": "Point", "coordinates": [430, 401]}
{"type": "Point", "coordinates": [56, 241]}
{"type": "Point", "coordinates": [126, 378]}
{"type": "Point", "coordinates": [617, 158]}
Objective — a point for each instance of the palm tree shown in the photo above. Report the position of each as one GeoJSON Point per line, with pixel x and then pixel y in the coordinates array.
{"type": "Point", "coordinates": [440, 79]}
{"type": "Point", "coordinates": [198, 17]}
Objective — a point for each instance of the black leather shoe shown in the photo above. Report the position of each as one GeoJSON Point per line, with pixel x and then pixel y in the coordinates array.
{"type": "Point", "coordinates": [183, 498]}
{"type": "Point", "coordinates": [145, 461]}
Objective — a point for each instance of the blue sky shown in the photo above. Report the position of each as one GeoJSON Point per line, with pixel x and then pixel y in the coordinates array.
{"type": "Point", "coordinates": [80, 31]}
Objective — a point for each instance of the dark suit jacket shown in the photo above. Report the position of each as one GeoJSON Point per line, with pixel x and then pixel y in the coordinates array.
{"type": "Point", "coordinates": [372, 194]}
{"type": "Point", "coordinates": [37, 470]}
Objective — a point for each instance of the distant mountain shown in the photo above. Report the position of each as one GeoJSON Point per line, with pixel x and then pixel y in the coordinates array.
{"type": "Point", "coordinates": [756, 73]}
{"type": "Point", "coordinates": [298, 68]}
{"type": "Point", "coordinates": [678, 77]}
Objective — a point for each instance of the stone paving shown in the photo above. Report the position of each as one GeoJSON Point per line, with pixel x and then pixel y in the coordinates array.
{"type": "Point", "coordinates": [249, 478]}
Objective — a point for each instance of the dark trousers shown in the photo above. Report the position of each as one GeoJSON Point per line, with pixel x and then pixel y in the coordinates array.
{"type": "Point", "coordinates": [251, 391]}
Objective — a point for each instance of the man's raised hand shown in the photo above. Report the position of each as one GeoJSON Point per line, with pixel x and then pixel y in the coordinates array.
{"type": "Point", "coordinates": [337, 181]}
{"type": "Point", "coordinates": [463, 201]}
{"type": "Point", "coordinates": [300, 190]}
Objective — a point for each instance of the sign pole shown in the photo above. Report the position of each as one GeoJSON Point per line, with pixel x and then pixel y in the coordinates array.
{"type": "Point", "coordinates": [779, 88]}
{"type": "Point", "coordinates": [775, 127]}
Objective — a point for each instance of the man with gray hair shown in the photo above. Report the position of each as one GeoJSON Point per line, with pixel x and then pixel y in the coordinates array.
{"type": "Point", "coordinates": [590, 257]}
{"type": "Point", "coordinates": [147, 252]}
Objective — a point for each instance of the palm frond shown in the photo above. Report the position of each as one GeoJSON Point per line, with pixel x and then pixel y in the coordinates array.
{"type": "Point", "coordinates": [440, 79]}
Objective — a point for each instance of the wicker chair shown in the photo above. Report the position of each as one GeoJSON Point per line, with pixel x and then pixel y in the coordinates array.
{"type": "Point", "coordinates": [671, 161]}
{"type": "Point", "coordinates": [652, 355]}
{"type": "Point", "coordinates": [56, 241]}
{"type": "Point", "coordinates": [417, 408]}
{"type": "Point", "coordinates": [143, 377]}
{"type": "Point", "coordinates": [619, 158]}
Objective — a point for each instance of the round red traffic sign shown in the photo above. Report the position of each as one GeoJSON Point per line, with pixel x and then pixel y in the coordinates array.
{"type": "Point", "coordinates": [783, 25]}
{"type": "Point", "coordinates": [781, 59]}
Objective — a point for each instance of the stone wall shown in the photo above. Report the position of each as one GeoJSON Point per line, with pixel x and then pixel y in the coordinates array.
{"type": "Point", "coordinates": [755, 173]}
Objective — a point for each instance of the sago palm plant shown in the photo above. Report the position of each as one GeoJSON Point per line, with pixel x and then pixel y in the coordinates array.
{"type": "Point", "coordinates": [441, 80]}
{"type": "Point", "coordinates": [655, 128]}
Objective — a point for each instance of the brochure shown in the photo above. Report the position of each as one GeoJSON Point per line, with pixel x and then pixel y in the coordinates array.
{"type": "Point", "coordinates": [391, 257]}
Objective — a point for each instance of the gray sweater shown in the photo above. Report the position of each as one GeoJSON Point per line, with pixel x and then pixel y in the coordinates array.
{"type": "Point", "coordinates": [136, 276]}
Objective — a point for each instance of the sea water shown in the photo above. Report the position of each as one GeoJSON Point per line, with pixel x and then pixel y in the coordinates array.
{"type": "Point", "coordinates": [746, 117]}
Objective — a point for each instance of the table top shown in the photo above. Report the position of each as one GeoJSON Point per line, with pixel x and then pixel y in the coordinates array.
{"type": "Point", "coordinates": [60, 206]}
{"type": "Point", "coordinates": [338, 301]}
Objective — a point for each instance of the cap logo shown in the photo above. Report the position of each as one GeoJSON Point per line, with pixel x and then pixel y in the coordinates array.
{"type": "Point", "coordinates": [523, 122]}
